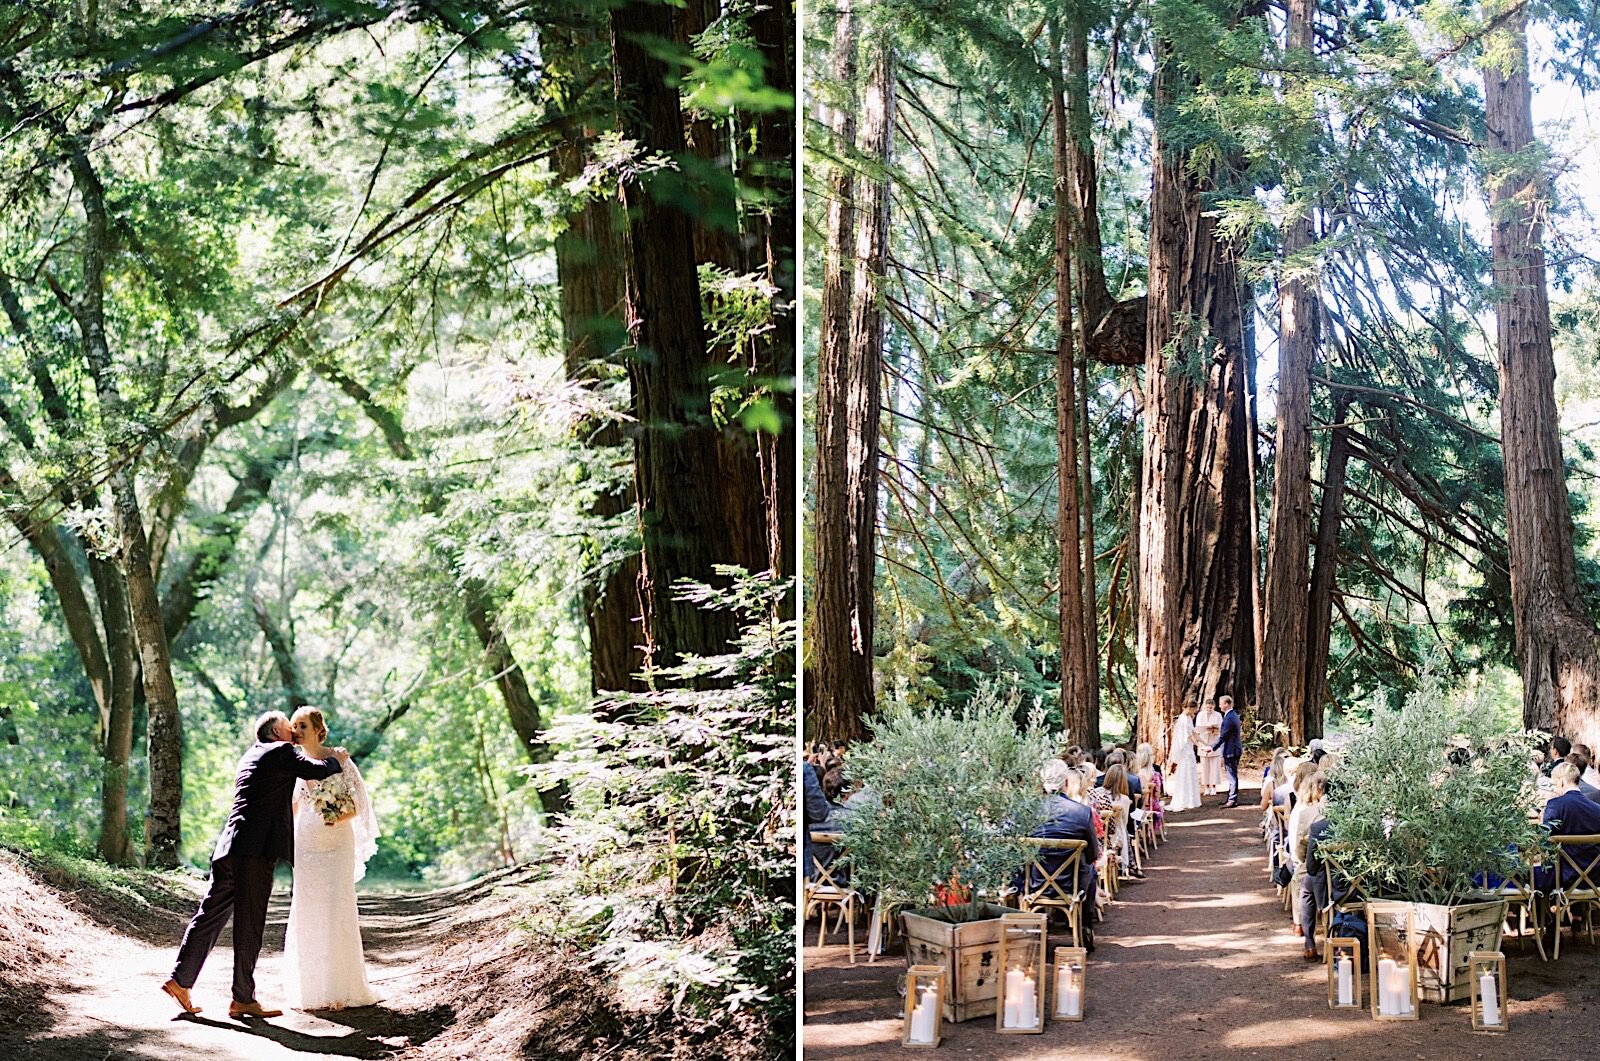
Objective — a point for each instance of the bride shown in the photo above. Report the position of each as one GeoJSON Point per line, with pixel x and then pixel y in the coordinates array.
{"type": "Point", "coordinates": [1184, 786]}
{"type": "Point", "coordinates": [323, 963]}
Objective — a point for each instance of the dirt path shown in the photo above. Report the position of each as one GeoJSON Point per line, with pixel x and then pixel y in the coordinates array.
{"type": "Point", "coordinates": [1200, 961]}
{"type": "Point", "coordinates": [114, 1009]}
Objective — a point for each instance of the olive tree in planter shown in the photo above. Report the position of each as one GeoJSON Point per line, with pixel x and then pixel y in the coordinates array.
{"type": "Point", "coordinates": [945, 797]}
{"type": "Point", "coordinates": [1424, 802]}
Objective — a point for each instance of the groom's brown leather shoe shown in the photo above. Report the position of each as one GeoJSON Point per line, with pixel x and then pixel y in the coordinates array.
{"type": "Point", "coordinates": [180, 994]}
{"type": "Point", "coordinates": [251, 1009]}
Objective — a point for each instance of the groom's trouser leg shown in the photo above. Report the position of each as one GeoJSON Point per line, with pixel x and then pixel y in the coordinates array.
{"type": "Point", "coordinates": [206, 925]}
{"type": "Point", "coordinates": [1232, 766]}
{"type": "Point", "coordinates": [251, 895]}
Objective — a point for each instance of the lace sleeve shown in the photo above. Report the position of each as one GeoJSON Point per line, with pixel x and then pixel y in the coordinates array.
{"type": "Point", "coordinates": [365, 822]}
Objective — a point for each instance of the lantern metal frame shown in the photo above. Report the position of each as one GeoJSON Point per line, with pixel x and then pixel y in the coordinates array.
{"type": "Point", "coordinates": [1074, 957]}
{"type": "Point", "coordinates": [1490, 961]}
{"type": "Point", "coordinates": [1025, 934]}
{"type": "Point", "coordinates": [916, 977]}
{"type": "Point", "coordinates": [1348, 949]}
{"type": "Point", "coordinates": [1377, 911]}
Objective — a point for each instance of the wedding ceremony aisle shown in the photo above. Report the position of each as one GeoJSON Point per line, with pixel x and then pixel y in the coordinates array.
{"type": "Point", "coordinates": [1200, 961]}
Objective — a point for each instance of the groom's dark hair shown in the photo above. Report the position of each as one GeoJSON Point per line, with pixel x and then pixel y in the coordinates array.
{"type": "Point", "coordinates": [265, 723]}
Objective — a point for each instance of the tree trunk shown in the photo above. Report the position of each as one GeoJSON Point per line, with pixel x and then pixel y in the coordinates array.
{"type": "Point", "coordinates": [1195, 637]}
{"type": "Point", "coordinates": [1091, 596]}
{"type": "Point", "coordinates": [1557, 649]}
{"type": "Point", "coordinates": [1077, 712]}
{"type": "Point", "coordinates": [683, 517]}
{"type": "Point", "coordinates": [1324, 573]}
{"type": "Point", "coordinates": [164, 826]}
{"type": "Point", "coordinates": [116, 841]}
{"type": "Point", "coordinates": [840, 637]}
{"type": "Point", "coordinates": [1283, 666]}
{"type": "Point", "coordinates": [592, 330]}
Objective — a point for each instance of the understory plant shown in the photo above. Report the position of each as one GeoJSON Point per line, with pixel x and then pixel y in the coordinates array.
{"type": "Point", "coordinates": [1429, 797]}
{"type": "Point", "coordinates": [946, 796]}
{"type": "Point", "coordinates": [675, 869]}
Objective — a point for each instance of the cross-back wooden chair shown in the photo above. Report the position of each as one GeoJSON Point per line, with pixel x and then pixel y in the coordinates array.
{"type": "Point", "coordinates": [1583, 891]}
{"type": "Point", "coordinates": [1058, 889]}
{"type": "Point", "coordinates": [1137, 816]}
{"type": "Point", "coordinates": [827, 889]}
{"type": "Point", "coordinates": [1113, 874]}
{"type": "Point", "coordinates": [1522, 900]}
{"type": "Point", "coordinates": [1277, 836]}
{"type": "Point", "coordinates": [1355, 898]}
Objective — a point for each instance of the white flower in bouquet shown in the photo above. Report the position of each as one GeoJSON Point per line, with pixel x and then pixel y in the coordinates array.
{"type": "Point", "coordinates": [333, 798]}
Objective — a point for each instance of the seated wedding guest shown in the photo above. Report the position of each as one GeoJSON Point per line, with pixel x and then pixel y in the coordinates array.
{"type": "Point", "coordinates": [1568, 813]}
{"type": "Point", "coordinates": [1151, 783]}
{"type": "Point", "coordinates": [816, 812]}
{"type": "Point", "coordinates": [1118, 757]}
{"type": "Point", "coordinates": [1316, 750]}
{"type": "Point", "coordinates": [1299, 774]}
{"type": "Point", "coordinates": [1273, 775]}
{"type": "Point", "coordinates": [1068, 817]}
{"type": "Point", "coordinates": [1308, 810]}
{"type": "Point", "coordinates": [1579, 757]}
{"type": "Point", "coordinates": [1318, 872]}
{"type": "Point", "coordinates": [1591, 775]}
{"type": "Point", "coordinates": [1116, 783]}
{"type": "Point", "coordinates": [1557, 750]}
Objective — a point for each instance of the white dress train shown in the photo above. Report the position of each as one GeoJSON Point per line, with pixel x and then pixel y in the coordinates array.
{"type": "Point", "coordinates": [1183, 789]}
{"type": "Point", "coordinates": [323, 963]}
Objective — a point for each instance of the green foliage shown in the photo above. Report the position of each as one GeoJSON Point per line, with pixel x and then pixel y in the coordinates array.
{"type": "Point", "coordinates": [676, 868]}
{"type": "Point", "coordinates": [1434, 794]}
{"type": "Point", "coordinates": [946, 795]}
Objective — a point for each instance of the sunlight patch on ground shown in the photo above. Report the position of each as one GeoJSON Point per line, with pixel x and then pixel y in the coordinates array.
{"type": "Point", "coordinates": [1276, 1033]}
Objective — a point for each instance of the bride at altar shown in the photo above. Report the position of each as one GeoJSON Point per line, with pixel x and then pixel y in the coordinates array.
{"type": "Point", "coordinates": [1183, 790]}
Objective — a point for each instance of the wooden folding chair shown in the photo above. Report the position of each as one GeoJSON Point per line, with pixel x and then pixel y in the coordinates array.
{"type": "Point", "coordinates": [1057, 889]}
{"type": "Point", "coordinates": [1277, 837]}
{"type": "Point", "coordinates": [1522, 899]}
{"type": "Point", "coordinates": [1113, 874]}
{"type": "Point", "coordinates": [825, 890]}
{"type": "Point", "coordinates": [1583, 891]}
{"type": "Point", "coordinates": [1355, 899]}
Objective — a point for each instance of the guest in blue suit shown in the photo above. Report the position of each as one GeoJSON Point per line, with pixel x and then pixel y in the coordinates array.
{"type": "Point", "coordinates": [1068, 817]}
{"type": "Point", "coordinates": [1231, 744]}
{"type": "Point", "coordinates": [1568, 813]}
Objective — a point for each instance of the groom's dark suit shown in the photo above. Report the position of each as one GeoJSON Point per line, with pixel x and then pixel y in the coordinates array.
{"type": "Point", "coordinates": [1231, 745]}
{"type": "Point", "coordinates": [258, 834]}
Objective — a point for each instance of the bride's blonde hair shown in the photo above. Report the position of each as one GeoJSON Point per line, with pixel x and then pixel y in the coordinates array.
{"type": "Point", "coordinates": [314, 714]}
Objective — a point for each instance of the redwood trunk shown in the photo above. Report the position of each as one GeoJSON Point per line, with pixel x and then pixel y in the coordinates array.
{"type": "Point", "coordinates": [1077, 709]}
{"type": "Point", "coordinates": [840, 636]}
{"type": "Point", "coordinates": [591, 325]}
{"type": "Point", "coordinates": [1195, 637]}
{"type": "Point", "coordinates": [1283, 669]}
{"type": "Point", "coordinates": [1557, 651]}
{"type": "Point", "coordinates": [684, 522]}
{"type": "Point", "coordinates": [1324, 573]}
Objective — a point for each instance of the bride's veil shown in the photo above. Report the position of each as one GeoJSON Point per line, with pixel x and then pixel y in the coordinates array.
{"type": "Point", "coordinates": [365, 822]}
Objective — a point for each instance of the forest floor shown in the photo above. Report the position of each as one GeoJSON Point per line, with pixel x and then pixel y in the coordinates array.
{"type": "Point", "coordinates": [1199, 961]}
{"type": "Point", "coordinates": [81, 968]}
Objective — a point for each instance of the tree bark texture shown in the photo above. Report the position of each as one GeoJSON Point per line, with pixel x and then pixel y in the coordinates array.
{"type": "Point", "coordinates": [1557, 649]}
{"type": "Point", "coordinates": [1283, 668]}
{"type": "Point", "coordinates": [1078, 715]}
{"type": "Point", "coordinates": [1195, 637]}
{"type": "Point", "coordinates": [683, 517]}
{"type": "Point", "coordinates": [1324, 573]}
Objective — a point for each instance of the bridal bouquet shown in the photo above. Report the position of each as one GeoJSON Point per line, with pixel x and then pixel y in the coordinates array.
{"type": "Point", "coordinates": [333, 798]}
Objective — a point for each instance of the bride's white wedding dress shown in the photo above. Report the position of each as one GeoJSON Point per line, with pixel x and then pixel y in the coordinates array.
{"type": "Point", "coordinates": [1183, 790]}
{"type": "Point", "coordinates": [323, 963]}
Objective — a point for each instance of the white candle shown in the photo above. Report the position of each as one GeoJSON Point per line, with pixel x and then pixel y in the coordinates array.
{"type": "Point", "coordinates": [1388, 1001]}
{"type": "Point", "coordinates": [1028, 1011]}
{"type": "Point", "coordinates": [1489, 991]}
{"type": "Point", "coordinates": [922, 1019]}
{"type": "Point", "coordinates": [1069, 996]}
{"type": "Point", "coordinates": [1402, 987]}
{"type": "Point", "coordinates": [1013, 1009]}
{"type": "Point", "coordinates": [1347, 988]}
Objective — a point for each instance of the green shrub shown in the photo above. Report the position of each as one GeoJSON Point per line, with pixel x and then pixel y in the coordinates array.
{"type": "Point", "coordinates": [945, 796]}
{"type": "Point", "coordinates": [1434, 794]}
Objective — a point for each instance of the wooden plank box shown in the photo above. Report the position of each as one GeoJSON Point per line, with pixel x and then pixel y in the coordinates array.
{"type": "Point", "coordinates": [1446, 935]}
{"type": "Point", "coordinates": [969, 953]}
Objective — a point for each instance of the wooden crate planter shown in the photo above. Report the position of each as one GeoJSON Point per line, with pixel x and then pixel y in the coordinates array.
{"type": "Point", "coordinates": [1446, 935]}
{"type": "Point", "coordinates": [968, 952]}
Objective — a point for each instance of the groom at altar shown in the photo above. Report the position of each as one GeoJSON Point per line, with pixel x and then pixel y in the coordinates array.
{"type": "Point", "coordinates": [1231, 745]}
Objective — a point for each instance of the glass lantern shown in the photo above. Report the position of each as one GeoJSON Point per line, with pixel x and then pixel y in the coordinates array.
{"type": "Point", "coordinates": [1344, 973]}
{"type": "Point", "coordinates": [924, 1016]}
{"type": "Point", "coordinates": [1019, 1005]}
{"type": "Point", "coordinates": [1487, 971]}
{"type": "Point", "coordinates": [1067, 983]}
{"type": "Point", "coordinates": [1392, 958]}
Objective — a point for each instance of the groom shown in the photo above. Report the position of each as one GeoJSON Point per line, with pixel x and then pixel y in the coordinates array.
{"type": "Point", "coordinates": [1230, 744]}
{"type": "Point", "coordinates": [258, 834]}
